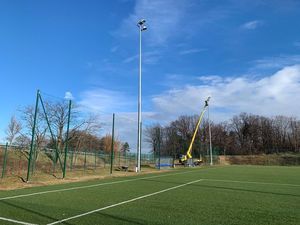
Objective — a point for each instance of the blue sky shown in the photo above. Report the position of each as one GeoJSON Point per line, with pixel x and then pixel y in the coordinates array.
{"type": "Point", "coordinates": [243, 53]}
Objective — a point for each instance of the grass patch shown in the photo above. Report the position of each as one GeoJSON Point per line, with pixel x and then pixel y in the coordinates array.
{"type": "Point", "coordinates": [225, 195]}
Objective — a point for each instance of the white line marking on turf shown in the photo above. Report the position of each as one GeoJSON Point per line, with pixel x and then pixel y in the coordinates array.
{"type": "Point", "coordinates": [124, 202]}
{"type": "Point", "coordinates": [97, 185]}
{"type": "Point", "coordinates": [15, 221]}
{"type": "Point", "coordinates": [253, 182]}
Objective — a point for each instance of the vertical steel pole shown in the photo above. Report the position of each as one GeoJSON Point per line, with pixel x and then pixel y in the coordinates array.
{"type": "Point", "coordinates": [67, 139]}
{"type": "Point", "coordinates": [119, 158]}
{"type": "Point", "coordinates": [4, 160]}
{"type": "Point", "coordinates": [33, 159]}
{"type": "Point", "coordinates": [210, 146]}
{"type": "Point", "coordinates": [126, 161]}
{"type": "Point", "coordinates": [84, 159]}
{"type": "Point", "coordinates": [52, 135]}
{"type": "Point", "coordinates": [95, 160]}
{"type": "Point", "coordinates": [138, 167]}
{"type": "Point", "coordinates": [112, 145]}
{"type": "Point", "coordinates": [71, 163]}
{"type": "Point", "coordinates": [159, 153]}
{"type": "Point", "coordinates": [54, 160]}
{"type": "Point", "coordinates": [141, 136]}
{"type": "Point", "coordinates": [32, 135]}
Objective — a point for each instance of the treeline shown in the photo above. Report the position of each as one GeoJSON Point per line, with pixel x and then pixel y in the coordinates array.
{"type": "Point", "coordinates": [244, 134]}
{"type": "Point", "coordinates": [83, 133]}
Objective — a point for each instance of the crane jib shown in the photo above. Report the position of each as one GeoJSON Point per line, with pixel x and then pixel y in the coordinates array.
{"type": "Point", "coordinates": [188, 155]}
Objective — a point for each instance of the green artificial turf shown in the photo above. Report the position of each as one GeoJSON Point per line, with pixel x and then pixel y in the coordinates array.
{"type": "Point", "coordinates": [225, 195]}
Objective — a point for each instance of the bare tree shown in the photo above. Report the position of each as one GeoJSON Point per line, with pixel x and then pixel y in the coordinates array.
{"type": "Point", "coordinates": [13, 129]}
{"type": "Point", "coordinates": [154, 136]}
{"type": "Point", "coordinates": [294, 134]}
{"type": "Point", "coordinates": [58, 117]}
{"type": "Point", "coordinates": [40, 126]}
{"type": "Point", "coordinates": [106, 144]}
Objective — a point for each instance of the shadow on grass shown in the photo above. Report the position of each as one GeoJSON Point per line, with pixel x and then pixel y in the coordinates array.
{"type": "Point", "coordinates": [122, 219]}
{"type": "Point", "coordinates": [29, 210]}
{"type": "Point", "coordinates": [247, 190]}
{"type": "Point", "coordinates": [162, 181]}
{"type": "Point", "coordinates": [200, 184]}
{"type": "Point", "coordinates": [21, 178]}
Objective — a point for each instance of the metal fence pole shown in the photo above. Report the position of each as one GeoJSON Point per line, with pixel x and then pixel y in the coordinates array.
{"type": "Point", "coordinates": [4, 161]}
{"type": "Point", "coordinates": [112, 145]}
{"type": "Point", "coordinates": [67, 139]}
{"type": "Point", "coordinates": [95, 160]}
{"type": "Point", "coordinates": [34, 156]}
{"type": "Point", "coordinates": [54, 160]}
{"type": "Point", "coordinates": [33, 134]}
{"type": "Point", "coordinates": [52, 134]}
{"type": "Point", "coordinates": [71, 163]}
{"type": "Point", "coordinates": [210, 145]}
{"type": "Point", "coordinates": [84, 159]}
{"type": "Point", "coordinates": [158, 154]}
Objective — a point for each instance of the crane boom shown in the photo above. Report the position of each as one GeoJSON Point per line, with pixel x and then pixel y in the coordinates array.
{"type": "Point", "coordinates": [188, 155]}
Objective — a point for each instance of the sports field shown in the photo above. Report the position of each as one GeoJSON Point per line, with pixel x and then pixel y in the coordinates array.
{"type": "Point", "coordinates": [206, 195]}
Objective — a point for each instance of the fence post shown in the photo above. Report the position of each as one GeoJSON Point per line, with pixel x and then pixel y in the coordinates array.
{"type": "Point", "coordinates": [33, 159]}
{"type": "Point", "coordinates": [158, 153]}
{"type": "Point", "coordinates": [95, 159]}
{"type": "Point", "coordinates": [84, 159]}
{"type": "Point", "coordinates": [4, 160]}
{"type": "Point", "coordinates": [54, 161]}
{"type": "Point", "coordinates": [112, 145]}
{"type": "Point", "coordinates": [52, 135]}
{"type": "Point", "coordinates": [71, 163]}
{"type": "Point", "coordinates": [67, 139]}
{"type": "Point", "coordinates": [32, 135]}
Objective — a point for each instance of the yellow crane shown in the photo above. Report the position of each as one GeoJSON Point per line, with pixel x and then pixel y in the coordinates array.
{"type": "Point", "coordinates": [184, 158]}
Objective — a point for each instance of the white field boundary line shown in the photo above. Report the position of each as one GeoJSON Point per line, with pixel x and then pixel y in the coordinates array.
{"type": "Point", "coordinates": [125, 202]}
{"type": "Point", "coordinates": [16, 221]}
{"type": "Point", "coordinates": [253, 182]}
{"type": "Point", "coordinates": [97, 185]}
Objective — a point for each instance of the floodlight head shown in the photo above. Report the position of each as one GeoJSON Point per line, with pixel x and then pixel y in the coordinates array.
{"type": "Point", "coordinates": [206, 101]}
{"type": "Point", "coordinates": [141, 22]}
{"type": "Point", "coordinates": [143, 28]}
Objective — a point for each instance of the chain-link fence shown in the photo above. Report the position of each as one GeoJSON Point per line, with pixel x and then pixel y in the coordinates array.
{"type": "Point", "coordinates": [14, 161]}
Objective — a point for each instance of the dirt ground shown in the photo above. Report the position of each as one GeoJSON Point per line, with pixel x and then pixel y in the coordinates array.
{"type": "Point", "coordinates": [18, 182]}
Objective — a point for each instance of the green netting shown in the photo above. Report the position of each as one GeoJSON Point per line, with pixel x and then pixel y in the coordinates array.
{"type": "Point", "coordinates": [45, 147]}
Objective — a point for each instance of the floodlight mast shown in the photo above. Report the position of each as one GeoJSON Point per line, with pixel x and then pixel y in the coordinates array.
{"type": "Point", "coordinates": [142, 27]}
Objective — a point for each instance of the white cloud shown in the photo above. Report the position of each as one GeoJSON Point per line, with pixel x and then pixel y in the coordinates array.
{"type": "Point", "coordinates": [212, 79]}
{"type": "Point", "coordinates": [276, 62]}
{"type": "Point", "coordinates": [131, 59]}
{"type": "Point", "coordinates": [277, 94]}
{"type": "Point", "coordinates": [126, 128]}
{"type": "Point", "coordinates": [150, 57]}
{"type": "Point", "coordinates": [104, 102]}
{"type": "Point", "coordinates": [163, 17]}
{"type": "Point", "coordinates": [191, 51]}
{"type": "Point", "coordinates": [168, 21]}
{"type": "Point", "coordinates": [107, 101]}
{"type": "Point", "coordinates": [252, 25]}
